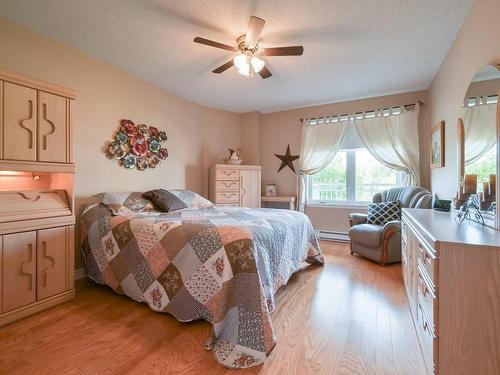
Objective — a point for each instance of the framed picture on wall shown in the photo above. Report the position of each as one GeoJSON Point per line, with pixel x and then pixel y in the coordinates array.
{"type": "Point", "coordinates": [437, 146]}
{"type": "Point", "coordinates": [271, 190]}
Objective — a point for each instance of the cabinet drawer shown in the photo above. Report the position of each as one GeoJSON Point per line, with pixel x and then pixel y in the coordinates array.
{"type": "Point", "coordinates": [426, 295]}
{"type": "Point", "coordinates": [52, 129]}
{"type": "Point", "coordinates": [428, 261]}
{"type": "Point", "coordinates": [51, 262]}
{"type": "Point", "coordinates": [18, 270]}
{"type": "Point", "coordinates": [227, 174]}
{"type": "Point", "coordinates": [428, 340]}
{"type": "Point", "coordinates": [224, 198]}
{"type": "Point", "coordinates": [231, 185]}
{"type": "Point", "coordinates": [19, 122]}
{"type": "Point", "coordinates": [404, 231]}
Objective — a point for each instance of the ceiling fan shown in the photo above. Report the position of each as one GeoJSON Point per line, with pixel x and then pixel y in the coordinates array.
{"type": "Point", "coordinates": [248, 59]}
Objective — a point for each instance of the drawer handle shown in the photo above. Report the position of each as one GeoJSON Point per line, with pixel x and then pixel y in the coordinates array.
{"type": "Point", "coordinates": [52, 126]}
{"type": "Point", "coordinates": [426, 326]}
{"type": "Point", "coordinates": [427, 258]}
{"type": "Point", "coordinates": [228, 173]}
{"type": "Point", "coordinates": [228, 195]}
{"type": "Point", "coordinates": [21, 271]}
{"type": "Point", "coordinates": [228, 184]}
{"type": "Point", "coordinates": [30, 141]}
{"type": "Point", "coordinates": [50, 259]}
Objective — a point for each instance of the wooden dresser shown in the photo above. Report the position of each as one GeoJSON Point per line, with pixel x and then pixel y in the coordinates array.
{"type": "Point", "coordinates": [451, 273]}
{"type": "Point", "coordinates": [235, 185]}
{"type": "Point", "coordinates": [36, 196]}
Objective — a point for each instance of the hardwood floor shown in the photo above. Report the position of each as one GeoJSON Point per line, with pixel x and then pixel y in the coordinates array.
{"type": "Point", "coordinates": [349, 317]}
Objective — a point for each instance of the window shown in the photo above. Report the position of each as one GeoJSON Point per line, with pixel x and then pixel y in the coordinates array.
{"type": "Point", "coordinates": [353, 176]}
{"type": "Point", "coordinates": [483, 167]}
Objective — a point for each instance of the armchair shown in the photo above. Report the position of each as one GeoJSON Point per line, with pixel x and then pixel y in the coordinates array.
{"type": "Point", "coordinates": [382, 243]}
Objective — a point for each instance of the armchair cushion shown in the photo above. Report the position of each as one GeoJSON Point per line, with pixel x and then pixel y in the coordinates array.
{"type": "Point", "coordinates": [368, 235]}
{"type": "Point", "coordinates": [381, 213]}
{"type": "Point", "coordinates": [356, 218]}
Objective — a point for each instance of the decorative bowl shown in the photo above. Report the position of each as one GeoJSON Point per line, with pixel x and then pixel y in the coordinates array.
{"type": "Point", "coordinates": [233, 161]}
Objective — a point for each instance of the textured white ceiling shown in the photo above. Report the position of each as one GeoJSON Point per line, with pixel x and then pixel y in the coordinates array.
{"type": "Point", "coordinates": [352, 48]}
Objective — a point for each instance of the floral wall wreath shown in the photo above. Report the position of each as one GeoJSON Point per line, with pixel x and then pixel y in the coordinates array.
{"type": "Point", "coordinates": [138, 146]}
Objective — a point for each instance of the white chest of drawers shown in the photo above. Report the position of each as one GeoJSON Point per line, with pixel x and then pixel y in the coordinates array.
{"type": "Point", "coordinates": [451, 272]}
{"type": "Point", "coordinates": [235, 185]}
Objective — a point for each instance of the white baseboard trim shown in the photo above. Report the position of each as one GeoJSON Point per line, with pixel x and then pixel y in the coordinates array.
{"type": "Point", "coordinates": [80, 273]}
{"type": "Point", "coordinates": [330, 235]}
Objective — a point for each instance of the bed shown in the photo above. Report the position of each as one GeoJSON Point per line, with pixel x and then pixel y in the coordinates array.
{"type": "Point", "coordinates": [220, 264]}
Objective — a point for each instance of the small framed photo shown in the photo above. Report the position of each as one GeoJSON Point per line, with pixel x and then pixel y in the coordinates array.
{"type": "Point", "coordinates": [437, 146]}
{"type": "Point", "coordinates": [271, 190]}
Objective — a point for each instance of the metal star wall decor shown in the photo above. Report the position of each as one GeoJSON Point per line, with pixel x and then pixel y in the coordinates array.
{"type": "Point", "coordinates": [287, 160]}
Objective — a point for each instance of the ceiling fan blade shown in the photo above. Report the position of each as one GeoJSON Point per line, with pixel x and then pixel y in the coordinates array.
{"type": "Point", "coordinates": [211, 43]}
{"type": "Point", "coordinates": [265, 73]}
{"type": "Point", "coordinates": [283, 51]}
{"type": "Point", "coordinates": [255, 26]}
{"type": "Point", "coordinates": [223, 67]}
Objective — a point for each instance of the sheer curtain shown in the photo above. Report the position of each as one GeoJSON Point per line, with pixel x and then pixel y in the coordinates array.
{"type": "Point", "coordinates": [319, 144]}
{"type": "Point", "coordinates": [393, 141]}
{"type": "Point", "coordinates": [480, 129]}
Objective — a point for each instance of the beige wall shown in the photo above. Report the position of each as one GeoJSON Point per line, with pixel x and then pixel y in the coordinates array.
{"type": "Point", "coordinates": [279, 129]}
{"type": "Point", "coordinates": [198, 136]}
{"type": "Point", "coordinates": [476, 45]}
{"type": "Point", "coordinates": [251, 137]}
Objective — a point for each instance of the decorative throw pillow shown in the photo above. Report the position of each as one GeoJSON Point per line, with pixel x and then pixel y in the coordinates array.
{"type": "Point", "coordinates": [164, 200]}
{"type": "Point", "coordinates": [381, 213]}
{"type": "Point", "coordinates": [124, 203]}
{"type": "Point", "coordinates": [191, 199]}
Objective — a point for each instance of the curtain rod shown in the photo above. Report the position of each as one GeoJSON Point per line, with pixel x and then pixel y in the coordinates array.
{"type": "Point", "coordinates": [371, 111]}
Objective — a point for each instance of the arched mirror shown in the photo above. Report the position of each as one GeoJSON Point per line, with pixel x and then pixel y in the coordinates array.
{"type": "Point", "coordinates": [478, 143]}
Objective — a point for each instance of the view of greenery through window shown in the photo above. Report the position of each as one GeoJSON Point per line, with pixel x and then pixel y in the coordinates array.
{"type": "Point", "coordinates": [366, 174]}
{"type": "Point", "coordinates": [330, 184]}
{"type": "Point", "coordinates": [483, 167]}
{"type": "Point", "coordinates": [371, 176]}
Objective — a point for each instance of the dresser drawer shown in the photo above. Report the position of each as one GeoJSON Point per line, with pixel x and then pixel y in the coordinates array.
{"type": "Point", "coordinates": [231, 185]}
{"type": "Point", "coordinates": [226, 198]}
{"type": "Point", "coordinates": [404, 231]}
{"type": "Point", "coordinates": [427, 298]}
{"type": "Point", "coordinates": [227, 174]}
{"type": "Point", "coordinates": [428, 340]}
{"type": "Point", "coordinates": [428, 260]}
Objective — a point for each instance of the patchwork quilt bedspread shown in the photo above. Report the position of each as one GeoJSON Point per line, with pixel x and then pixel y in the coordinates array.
{"type": "Point", "coordinates": [223, 265]}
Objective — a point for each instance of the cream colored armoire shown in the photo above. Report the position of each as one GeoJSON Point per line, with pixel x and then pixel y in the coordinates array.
{"type": "Point", "coordinates": [36, 196]}
{"type": "Point", "coordinates": [235, 185]}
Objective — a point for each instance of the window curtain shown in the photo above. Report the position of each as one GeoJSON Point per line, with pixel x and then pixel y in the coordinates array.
{"type": "Point", "coordinates": [319, 144]}
{"type": "Point", "coordinates": [480, 130]}
{"type": "Point", "coordinates": [393, 141]}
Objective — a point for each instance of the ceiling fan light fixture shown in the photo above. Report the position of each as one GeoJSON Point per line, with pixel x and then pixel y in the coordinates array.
{"type": "Point", "coordinates": [240, 61]}
{"type": "Point", "coordinates": [245, 70]}
{"type": "Point", "coordinates": [257, 64]}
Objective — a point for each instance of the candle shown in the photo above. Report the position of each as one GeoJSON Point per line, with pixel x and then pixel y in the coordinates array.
{"type": "Point", "coordinates": [470, 184]}
{"type": "Point", "coordinates": [493, 182]}
{"type": "Point", "coordinates": [481, 196]}
{"type": "Point", "coordinates": [486, 188]}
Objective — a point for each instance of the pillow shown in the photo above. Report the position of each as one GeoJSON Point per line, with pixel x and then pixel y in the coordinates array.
{"type": "Point", "coordinates": [381, 213]}
{"type": "Point", "coordinates": [124, 203]}
{"type": "Point", "coordinates": [191, 199]}
{"type": "Point", "coordinates": [164, 200]}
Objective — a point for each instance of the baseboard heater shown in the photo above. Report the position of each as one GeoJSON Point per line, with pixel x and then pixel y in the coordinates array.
{"type": "Point", "coordinates": [330, 235]}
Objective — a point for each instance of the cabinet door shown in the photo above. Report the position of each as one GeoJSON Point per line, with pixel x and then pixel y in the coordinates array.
{"type": "Point", "coordinates": [51, 258]}
{"type": "Point", "coordinates": [250, 188]}
{"type": "Point", "coordinates": [52, 128]}
{"type": "Point", "coordinates": [19, 122]}
{"type": "Point", "coordinates": [19, 270]}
